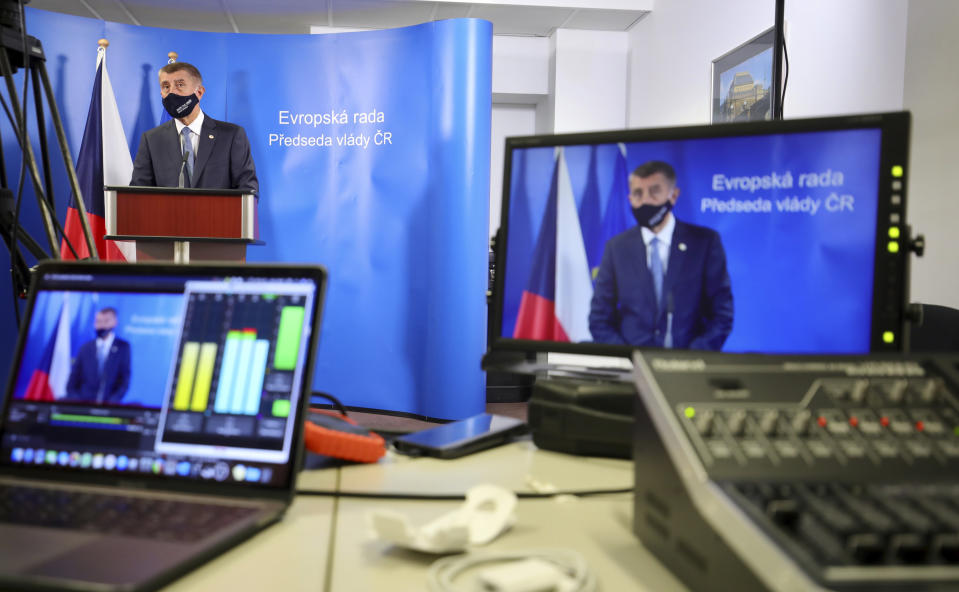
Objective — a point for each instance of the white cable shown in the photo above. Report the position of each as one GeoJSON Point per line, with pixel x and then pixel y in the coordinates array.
{"type": "Point", "coordinates": [576, 574]}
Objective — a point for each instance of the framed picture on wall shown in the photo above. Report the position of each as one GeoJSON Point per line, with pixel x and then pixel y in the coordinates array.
{"type": "Point", "coordinates": [743, 81]}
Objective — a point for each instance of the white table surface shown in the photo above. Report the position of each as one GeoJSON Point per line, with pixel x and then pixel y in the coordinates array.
{"type": "Point", "coordinates": [519, 466]}
{"type": "Point", "coordinates": [599, 528]}
{"type": "Point", "coordinates": [324, 543]}
{"type": "Point", "coordinates": [288, 556]}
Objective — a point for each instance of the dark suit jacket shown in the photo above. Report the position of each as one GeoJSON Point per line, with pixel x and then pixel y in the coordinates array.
{"type": "Point", "coordinates": [624, 311]}
{"type": "Point", "coordinates": [84, 383]}
{"type": "Point", "coordinates": [223, 159]}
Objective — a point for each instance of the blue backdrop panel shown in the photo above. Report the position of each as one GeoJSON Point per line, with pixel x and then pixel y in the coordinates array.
{"type": "Point", "coordinates": [372, 151]}
{"type": "Point", "coordinates": [802, 280]}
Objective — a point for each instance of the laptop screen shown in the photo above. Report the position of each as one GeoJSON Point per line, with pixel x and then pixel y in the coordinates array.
{"type": "Point", "coordinates": [173, 372]}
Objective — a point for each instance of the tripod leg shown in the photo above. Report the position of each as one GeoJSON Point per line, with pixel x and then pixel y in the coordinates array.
{"type": "Point", "coordinates": [31, 161]}
{"type": "Point", "coordinates": [42, 133]}
{"type": "Point", "coordinates": [18, 267]}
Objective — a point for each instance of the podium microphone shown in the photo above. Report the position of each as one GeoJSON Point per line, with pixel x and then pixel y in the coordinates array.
{"type": "Point", "coordinates": [668, 340]}
{"type": "Point", "coordinates": [183, 171]}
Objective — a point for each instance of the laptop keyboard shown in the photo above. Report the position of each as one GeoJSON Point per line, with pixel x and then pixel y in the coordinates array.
{"type": "Point", "coordinates": [152, 518]}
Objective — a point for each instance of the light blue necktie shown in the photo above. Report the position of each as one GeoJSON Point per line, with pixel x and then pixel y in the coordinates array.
{"type": "Point", "coordinates": [102, 353]}
{"type": "Point", "coordinates": [188, 153]}
{"type": "Point", "coordinates": [656, 268]}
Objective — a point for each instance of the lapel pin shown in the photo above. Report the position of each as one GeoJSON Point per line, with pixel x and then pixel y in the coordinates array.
{"type": "Point", "coordinates": [682, 246]}
{"type": "Point", "coordinates": [210, 136]}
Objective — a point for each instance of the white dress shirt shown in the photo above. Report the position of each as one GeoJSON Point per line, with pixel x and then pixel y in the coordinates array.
{"type": "Point", "coordinates": [665, 237]}
{"type": "Point", "coordinates": [196, 126]}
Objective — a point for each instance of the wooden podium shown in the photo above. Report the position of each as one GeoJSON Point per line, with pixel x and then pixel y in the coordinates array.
{"type": "Point", "coordinates": [180, 224]}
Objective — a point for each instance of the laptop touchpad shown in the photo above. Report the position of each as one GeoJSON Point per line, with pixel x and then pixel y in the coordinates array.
{"type": "Point", "coordinates": [22, 547]}
{"type": "Point", "coordinates": [115, 561]}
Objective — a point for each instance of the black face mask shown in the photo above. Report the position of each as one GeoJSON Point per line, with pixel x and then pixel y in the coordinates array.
{"type": "Point", "coordinates": [101, 333]}
{"type": "Point", "coordinates": [651, 216]}
{"type": "Point", "coordinates": [179, 106]}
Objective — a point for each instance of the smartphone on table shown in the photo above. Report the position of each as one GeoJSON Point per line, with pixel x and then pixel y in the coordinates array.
{"type": "Point", "coordinates": [459, 438]}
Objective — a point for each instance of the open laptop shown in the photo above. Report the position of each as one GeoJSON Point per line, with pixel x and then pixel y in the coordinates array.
{"type": "Point", "coordinates": [152, 418]}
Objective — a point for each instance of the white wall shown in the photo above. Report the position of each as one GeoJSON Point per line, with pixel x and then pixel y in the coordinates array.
{"type": "Point", "coordinates": [578, 80]}
{"type": "Point", "coordinates": [589, 80]}
{"type": "Point", "coordinates": [931, 91]}
{"type": "Point", "coordinates": [844, 57]}
{"type": "Point", "coordinates": [520, 68]}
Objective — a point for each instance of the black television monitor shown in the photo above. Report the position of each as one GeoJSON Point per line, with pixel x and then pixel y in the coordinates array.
{"type": "Point", "coordinates": [786, 237]}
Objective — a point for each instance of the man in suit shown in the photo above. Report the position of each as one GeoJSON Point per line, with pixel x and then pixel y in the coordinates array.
{"type": "Point", "coordinates": [192, 149]}
{"type": "Point", "coordinates": [664, 282]}
{"type": "Point", "coordinates": [101, 370]}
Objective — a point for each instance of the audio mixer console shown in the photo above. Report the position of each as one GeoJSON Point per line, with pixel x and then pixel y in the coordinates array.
{"type": "Point", "coordinates": [799, 472]}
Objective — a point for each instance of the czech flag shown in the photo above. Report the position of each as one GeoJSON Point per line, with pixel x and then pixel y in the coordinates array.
{"type": "Point", "coordinates": [49, 379]}
{"type": "Point", "coordinates": [555, 303]}
{"type": "Point", "coordinates": [104, 160]}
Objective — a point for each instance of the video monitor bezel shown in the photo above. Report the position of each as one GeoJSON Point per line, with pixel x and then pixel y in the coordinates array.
{"type": "Point", "coordinates": [890, 272]}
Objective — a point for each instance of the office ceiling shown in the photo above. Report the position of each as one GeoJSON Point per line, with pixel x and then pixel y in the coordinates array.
{"type": "Point", "coordinates": [534, 18]}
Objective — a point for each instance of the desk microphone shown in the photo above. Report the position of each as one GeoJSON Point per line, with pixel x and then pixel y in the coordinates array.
{"type": "Point", "coordinates": [183, 170]}
{"type": "Point", "coordinates": [668, 340]}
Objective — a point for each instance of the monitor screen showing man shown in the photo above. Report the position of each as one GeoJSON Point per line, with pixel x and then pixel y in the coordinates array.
{"type": "Point", "coordinates": [192, 149]}
{"type": "Point", "coordinates": [775, 237]}
{"type": "Point", "coordinates": [663, 282]}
